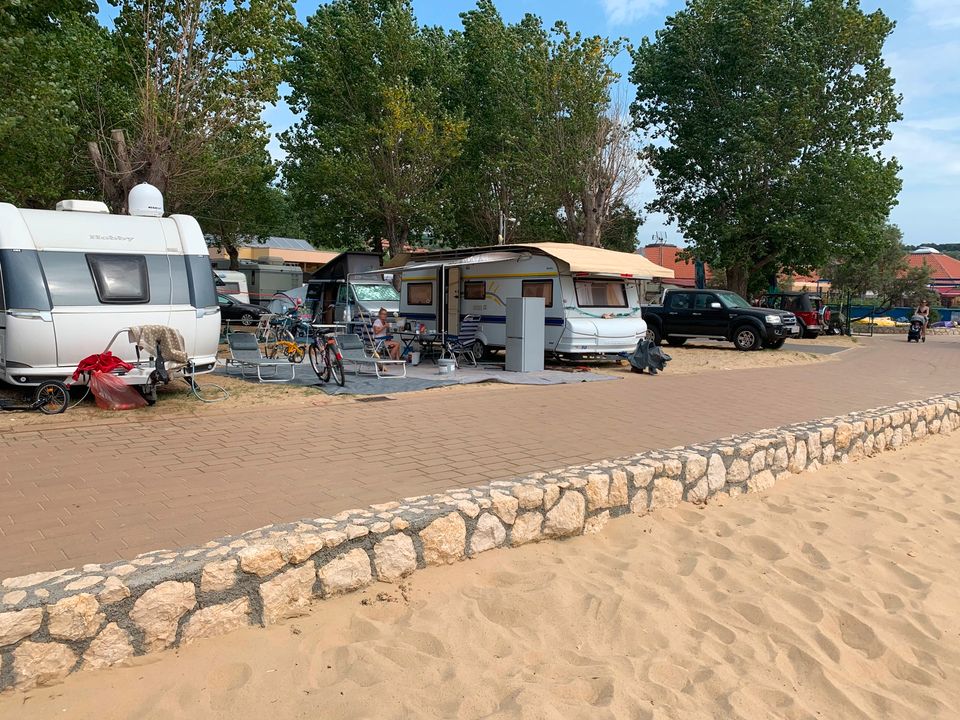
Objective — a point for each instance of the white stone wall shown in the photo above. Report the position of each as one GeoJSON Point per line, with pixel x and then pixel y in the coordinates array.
{"type": "Point", "coordinates": [53, 623]}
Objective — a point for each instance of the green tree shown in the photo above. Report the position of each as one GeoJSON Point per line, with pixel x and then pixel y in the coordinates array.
{"type": "Point", "coordinates": [199, 73]}
{"type": "Point", "coordinates": [51, 54]}
{"type": "Point", "coordinates": [369, 158]}
{"type": "Point", "coordinates": [881, 268]}
{"type": "Point", "coordinates": [766, 120]}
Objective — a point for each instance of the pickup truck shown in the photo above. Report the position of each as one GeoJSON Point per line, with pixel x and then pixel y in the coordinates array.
{"type": "Point", "coordinates": [720, 315]}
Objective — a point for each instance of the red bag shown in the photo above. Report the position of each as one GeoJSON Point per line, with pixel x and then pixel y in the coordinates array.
{"type": "Point", "coordinates": [112, 393]}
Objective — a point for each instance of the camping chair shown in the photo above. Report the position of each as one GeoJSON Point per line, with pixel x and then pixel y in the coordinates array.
{"type": "Point", "coordinates": [245, 354]}
{"type": "Point", "coordinates": [355, 353]}
{"type": "Point", "coordinates": [461, 345]}
{"type": "Point", "coordinates": [371, 344]}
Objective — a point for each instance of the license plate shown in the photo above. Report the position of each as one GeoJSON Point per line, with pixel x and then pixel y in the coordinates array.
{"type": "Point", "coordinates": [795, 330]}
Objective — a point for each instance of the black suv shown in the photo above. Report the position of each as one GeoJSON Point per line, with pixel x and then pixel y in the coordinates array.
{"type": "Point", "coordinates": [720, 315]}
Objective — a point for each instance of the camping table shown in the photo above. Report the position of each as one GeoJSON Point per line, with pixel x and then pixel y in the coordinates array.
{"type": "Point", "coordinates": [430, 343]}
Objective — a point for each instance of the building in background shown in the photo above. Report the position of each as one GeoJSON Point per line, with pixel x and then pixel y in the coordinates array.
{"type": "Point", "coordinates": [281, 251]}
{"type": "Point", "coordinates": [944, 273]}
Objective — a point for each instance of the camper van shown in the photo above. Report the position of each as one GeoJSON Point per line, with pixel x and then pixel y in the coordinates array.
{"type": "Point", "coordinates": [265, 279]}
{"type": "Point", "coordinates": [232, 283]}
{"type": "Point", "coordinates": [590, 294]}
{"type": "Point", "coordinates": [70, 279]}
{"type": "Point", "coordinates": [342, 290]}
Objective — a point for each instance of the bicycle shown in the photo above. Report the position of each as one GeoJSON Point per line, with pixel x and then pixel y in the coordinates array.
{"type": "Point", "coordinates": [326, 360]}
{"type": "Point", "coordinates": [281, 337]}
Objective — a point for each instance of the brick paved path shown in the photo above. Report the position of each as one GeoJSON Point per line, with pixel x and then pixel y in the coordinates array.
{"type": "Point", "coordinates": [81, 495]}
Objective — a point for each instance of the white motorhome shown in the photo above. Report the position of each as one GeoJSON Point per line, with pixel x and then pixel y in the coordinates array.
{"type": "Point", "coordinates": [591, 294]}
{"type": "Point", "coordinates": [70, 279]}
{"type": "Point", "coordinates": [232, 283]}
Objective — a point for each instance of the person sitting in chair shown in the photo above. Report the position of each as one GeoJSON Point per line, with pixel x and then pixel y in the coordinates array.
{"type": "Point", "coordinates": [381, 333]}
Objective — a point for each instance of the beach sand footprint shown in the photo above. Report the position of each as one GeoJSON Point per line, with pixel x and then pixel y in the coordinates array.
{"type": "Point", "coordinates": [816, 558]}
{"type": "Point", "coordinates": [859, 636]}
{"type": "Point", "coordinates": [766, 548]}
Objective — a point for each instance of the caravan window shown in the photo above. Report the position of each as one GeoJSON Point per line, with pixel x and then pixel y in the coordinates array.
{"type": "Point", "coordinates": [24, 288]}
{"type": "Point", "coordinates": [539, 288]}
{"type": "Point", "coordinates": [203, 293]}
{"type": "Point", "coordinates": [475, 290]}
{"type": "Point", "coordinates": [120, 278]}
{"type": "Point", "coordinates": [420, 293]}
{"type": "Point", "coordinates": [601, 293]}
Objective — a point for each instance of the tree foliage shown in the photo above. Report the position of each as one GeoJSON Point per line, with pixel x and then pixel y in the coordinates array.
{"type": "Point", "coordinates": [51, 54]}
{"type": "Point", "coordinates": [881, 267]}
{"type": "Point", "coordinates": [767, 118]}
{"type": "Point", "coordinates": [376, 140]}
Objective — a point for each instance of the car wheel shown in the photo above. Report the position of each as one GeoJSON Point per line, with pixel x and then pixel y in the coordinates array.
{"type": "Point", "coordinates": [248, 319]}
{"type": "Point", "coordinates": [653, 334]}
{"type": "Point", "coordinates": [746, 338]}
{"type": "Point", "coordinates": [676, 341]}
{"type": "Point", "coordinates": [774, 344]}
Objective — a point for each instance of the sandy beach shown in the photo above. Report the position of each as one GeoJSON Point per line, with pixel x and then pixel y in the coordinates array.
{"type": "Point", "coordinates": [834, 595]}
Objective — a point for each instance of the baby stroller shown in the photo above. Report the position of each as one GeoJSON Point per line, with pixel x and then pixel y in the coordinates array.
{"type": "Point", "coordinates": [915, 334]}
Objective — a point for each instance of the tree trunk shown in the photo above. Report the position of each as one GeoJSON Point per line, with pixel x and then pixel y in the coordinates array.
{"type": "Point", "coordinates": [738, 280]}
{"type": "Point", "coordinates": [234, 254]}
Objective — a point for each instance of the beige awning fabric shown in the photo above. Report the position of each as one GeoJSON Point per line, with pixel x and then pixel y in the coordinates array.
{"type": "Point", "coordinates": [586, 259]}
{"type": "Point", "coordinates": [579, 258]}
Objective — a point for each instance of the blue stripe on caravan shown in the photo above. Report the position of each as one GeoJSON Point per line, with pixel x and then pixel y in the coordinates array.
{"type": "Point", "coordinates": [420, 316]}
{"type": "Point", "coordinates": [502, 320]}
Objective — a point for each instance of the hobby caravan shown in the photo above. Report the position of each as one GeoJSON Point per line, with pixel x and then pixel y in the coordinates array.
{"type": "Point", "coordinates": [70, 279]}
{"type": "Point", "coordinates": [590, 294]}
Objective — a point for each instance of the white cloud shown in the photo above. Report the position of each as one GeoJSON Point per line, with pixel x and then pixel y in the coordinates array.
{"type": "Point", "coordinates": [938, 13]}
{"type": "Point", "coordinates": [624, 12]}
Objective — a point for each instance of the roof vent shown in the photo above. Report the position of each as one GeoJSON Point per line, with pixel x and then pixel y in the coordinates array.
{"type": "Point", "coordinates": [145, 200]}
{"type": "Point", "coordinates": [90, 206]}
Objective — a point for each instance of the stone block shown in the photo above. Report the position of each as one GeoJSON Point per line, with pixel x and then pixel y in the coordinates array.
{"type": "Point", "coordinates": [394, 557]}
{"type": "Point", "coordinates": [598, 491]}
{"type": "Point", "coordinates": [666, 493]}
{"type": "Point", "coordinates": [113, 591]}
{"type": "Point", "coordinates": [596, 523]}
{"type": "Point", "coordinates": [261, 560]}
{"type": "Point", "coordinates": [288, 595]}
{"type": "Point", "coordinates": [567, 517]}
{"type": "Point", "coordinates": [640, 475]}
{"type": "Point", "coordinates": [694, 468]}
{"type": "Point", "coordinates": [217, 620]}
{"type": "Point", "coordinates": [505, 506]}
{"type": "Point", "coordinates": [110, 647]}
{"type": "Point", "coordinates": [528, 496]}
{"type": "Point", "coordinates": [739, 471]}
{"type": "Point", "coordinates": [619, 494]}
{"type": "Point", "coordinates": [41, 663]}
{"type": "Point", "coordinates": [218, 576]}
{"type": "Point", "coordinates": [16, 625]}
{"type": "Point", "coordinates": [526, 528]}
{"type": "Point", "coordinates": [444, 539]}
{"type": "Point", "coordinates": [488, 534]}
{"type": "Point", "coordinates": [75, 617]}
{"type": "Point", "coordinates": [158, 611]}
{"type": "Point", "coordinates": [763, 480]}
{"type": "Point", "coordinates": [345, 573]}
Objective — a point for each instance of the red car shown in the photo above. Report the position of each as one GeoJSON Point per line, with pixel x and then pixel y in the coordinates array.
{"type": "Point", "coordinates": [812, 315]}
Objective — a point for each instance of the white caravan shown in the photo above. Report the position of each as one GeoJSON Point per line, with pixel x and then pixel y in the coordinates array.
{"type": "Point", "coordinates": [232, 283]}
{"type": "Point", "coordinates": [592, 304]}
{"type": "Point", "coordinates": [70, 279]}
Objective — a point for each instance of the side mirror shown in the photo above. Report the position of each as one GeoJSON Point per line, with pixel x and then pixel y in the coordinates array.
{"type": "Point", "coordinates": [716, 306]}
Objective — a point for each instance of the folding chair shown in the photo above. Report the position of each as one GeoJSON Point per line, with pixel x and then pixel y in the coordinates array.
{"type": "Point", "coordinates": [461, 344]}
{"type": "Point", "coordinates": [245, 354]}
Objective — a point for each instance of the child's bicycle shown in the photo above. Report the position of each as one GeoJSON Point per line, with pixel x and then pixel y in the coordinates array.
{"type": "Point", "coordinates": [281, 338]}
{"type": "Point", "coordinates": [51, 398]}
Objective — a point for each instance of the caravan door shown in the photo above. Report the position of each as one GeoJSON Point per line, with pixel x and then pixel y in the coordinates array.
{"type": "Point", "coordinates": [452, 325]}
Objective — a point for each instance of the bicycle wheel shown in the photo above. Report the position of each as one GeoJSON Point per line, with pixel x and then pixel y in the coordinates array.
{"type": "Point", "coordinates": [335, 366]}
{"type": "Point", "coordinates": [274, 336]}
{"type": "Point", "coordinates": [318, 363]}
{"type": "Point", "coordinates": [54, 396]}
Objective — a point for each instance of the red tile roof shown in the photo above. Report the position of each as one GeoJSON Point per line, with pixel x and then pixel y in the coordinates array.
{"type": "Point", "coordinates": [684, 273]}
{"type": "Point", "coordinates": [943, 268]}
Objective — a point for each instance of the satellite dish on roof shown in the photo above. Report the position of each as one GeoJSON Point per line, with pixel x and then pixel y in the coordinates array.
{"type": "Point", "coordinates": [145, 200]}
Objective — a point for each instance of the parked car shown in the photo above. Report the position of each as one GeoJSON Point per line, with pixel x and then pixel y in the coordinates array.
{"type": "Point", "coordinates": [719, 315]}
{"type": "Point", "coordinates": [233, 309]}
{"type": "Point", "coordinates": [813, 316]}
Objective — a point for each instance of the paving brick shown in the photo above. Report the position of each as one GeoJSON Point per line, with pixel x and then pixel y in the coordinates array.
{"type": "Point", "coordinates": [114, 492]}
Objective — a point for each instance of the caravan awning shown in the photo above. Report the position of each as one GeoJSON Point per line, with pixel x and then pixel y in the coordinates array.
{"type": "Point", "coordinates": [579, 258]}
{"type": "Point", "coordinates": [594, 260]}
{"type": "Point", "coordinates": [402, 262]}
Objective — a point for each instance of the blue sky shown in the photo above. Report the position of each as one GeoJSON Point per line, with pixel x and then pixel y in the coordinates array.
{"type": "Point", "coordinates": [924, 53]}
